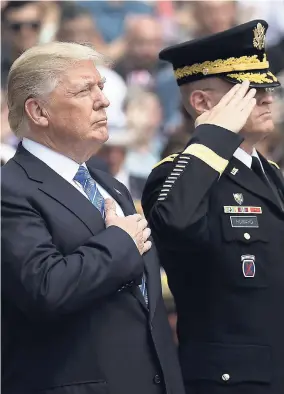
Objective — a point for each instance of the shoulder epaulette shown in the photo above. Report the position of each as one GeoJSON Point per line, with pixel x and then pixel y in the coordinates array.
{"type": "Point", "coordinates": [168, 158]}
{"type": "Point", "coordinates": [274, 164]}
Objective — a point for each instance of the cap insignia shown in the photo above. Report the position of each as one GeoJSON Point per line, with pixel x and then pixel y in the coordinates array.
{"type": "Point", "coordinates": [259, 36]}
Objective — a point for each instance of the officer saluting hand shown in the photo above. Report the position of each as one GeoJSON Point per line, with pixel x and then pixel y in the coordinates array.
{"type": "Point", "coordinates": [216, 211]}
{"type": "Point", "coordinates": [233, 109]}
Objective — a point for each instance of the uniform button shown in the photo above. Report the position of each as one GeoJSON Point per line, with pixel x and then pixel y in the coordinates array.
{"type": "Point", "coordinates": [157, 379]}
{"type": "Point", "coordinates": [246, 235]}
{"type": "Point", "coordinates": [225, 377]}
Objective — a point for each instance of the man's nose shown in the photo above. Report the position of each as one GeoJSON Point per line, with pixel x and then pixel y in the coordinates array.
{"type": "Point", "coordinates": [265, 97]}
{"type": "Point", "coordinates": [101, 102]}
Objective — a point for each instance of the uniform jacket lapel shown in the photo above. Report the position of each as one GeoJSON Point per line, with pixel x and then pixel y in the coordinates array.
{"type": "Point", "coordinates": [275, 175]}
{"type": "Point", "coordinates": [247, 179]}
{"type": "Point", "coordinates": [150, 259]}
{"type": "Point", "coordinates": [52, 184]}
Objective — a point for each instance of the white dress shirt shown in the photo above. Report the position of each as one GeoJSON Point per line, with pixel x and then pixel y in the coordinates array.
{"type": "Point", "coordinates": [246, 158]}
{"type": "Point", "coordinates": [123, 177]}
{"type": "Point", "coordinates": [64, 166]}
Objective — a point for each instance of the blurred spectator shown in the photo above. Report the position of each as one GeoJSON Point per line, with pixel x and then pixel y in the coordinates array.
{"type": "Point", "coordinates": [175, 144]}
{"type": "Point", "coordinates": [6, 153]}
{"type": "Point", "coordinates": [165, 84]}
{"type": "Point", "coordinates": [77, 25]}
{"type": "Point", "coordinates": [276, 57]}
{"type": "Point", "coordinates": [114, 153]}
{"type": "Point", "coordinates": [271, 11]}
{"type": "Point", "coordinates": [51, 11]}
{"type": "Point", "coordinates": [115, 90]}
{"type": "Point", "coordinates": [165, 12]}
{"type": "Point", "coordinates": [110, 15]}
{"type": "Point", "coordinates": [144, 115]}
{"type": "Point", "coordinates": [180, 135]}
{"type": "Point", "coordinates": [209, 17]}
{"type": "Point", "coordinates": [214, 16]}
{"type": "Point", "coordinates": [140, 65]}
{"type": "Point", "coordinates": [144, 40]}
{"type": "Point", "coordinates": [7, 136]}
{"type": "Point", "coordinates": [21, 24]}
{"type": "Point", "coordinates": [7, 150]}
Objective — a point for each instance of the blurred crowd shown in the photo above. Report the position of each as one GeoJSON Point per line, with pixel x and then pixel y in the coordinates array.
{"type": "Point", "coordinates": [146, 119]}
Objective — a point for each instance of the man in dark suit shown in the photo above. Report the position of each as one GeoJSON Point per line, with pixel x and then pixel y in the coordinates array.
{"type": "Point", "coordinates": [82, 309]}
{"type": "Point", "coordinates": [216, 211]}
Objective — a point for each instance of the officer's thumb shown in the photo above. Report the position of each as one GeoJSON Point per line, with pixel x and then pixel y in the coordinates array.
{"type": "Point", "coordinates": [203, 116]}
{"type": "Point", "coordinates": [110, 209]}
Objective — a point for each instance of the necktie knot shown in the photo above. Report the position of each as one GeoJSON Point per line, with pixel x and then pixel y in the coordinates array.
{"type": "Point", "coordinates": [82, 175]}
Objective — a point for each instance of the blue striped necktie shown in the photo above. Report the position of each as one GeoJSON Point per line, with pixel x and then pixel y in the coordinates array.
{"type": "Point", "coordinates": [91, 189]}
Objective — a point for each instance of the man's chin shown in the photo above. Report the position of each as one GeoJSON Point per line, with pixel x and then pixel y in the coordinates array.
{"type": "Point", "coordinates": [264, 127]}
{"type": "Point", "coordinates": [257, 134]}
{"type": "Point", "coordinates": [267, 127]}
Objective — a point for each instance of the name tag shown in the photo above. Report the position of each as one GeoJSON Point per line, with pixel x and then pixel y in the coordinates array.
{"type": "Point", "coordinates": [244, 221]}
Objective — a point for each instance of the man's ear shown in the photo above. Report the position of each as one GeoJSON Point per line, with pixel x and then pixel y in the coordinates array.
{"type": "Point", "coordinates": [36, 112]}
{"type": "Point", "coordinates": [200, 101]}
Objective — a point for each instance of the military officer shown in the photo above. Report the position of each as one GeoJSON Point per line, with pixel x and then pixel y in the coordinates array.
{"type": "Point", "coordinates": [217, 215]}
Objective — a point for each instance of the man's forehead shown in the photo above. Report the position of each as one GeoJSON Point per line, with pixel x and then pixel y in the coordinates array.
{"type": "Point", "coordinates": [82, 71]}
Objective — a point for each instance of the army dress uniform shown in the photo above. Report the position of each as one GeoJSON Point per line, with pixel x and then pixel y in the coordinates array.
{"type": "Point", "coordinates": [217, 217]}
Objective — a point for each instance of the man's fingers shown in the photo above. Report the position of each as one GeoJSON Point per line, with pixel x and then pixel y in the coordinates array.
{"type": "Point", "coordinates": [110, 209]}
{"type": "Point", "coordinates": [142, 224]}
{"type": "Point", "coordinates": [240, 94]}
{"type": "Point", "coordinates": [228, 96]}
{"type": "Point", "coordinates": [137, 217]}
{"type": "Point", "coordinates": [147, 246]}
{"type": "Point", "coordinates": [249, 107]}
{"type": "Point", "coordinates": [146, 234]}
{"type": "Point", "coordinates": [244, 102]}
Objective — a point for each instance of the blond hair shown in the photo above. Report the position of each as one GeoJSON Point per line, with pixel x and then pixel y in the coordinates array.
{"type": "Point", "coordinates": [37, 72]}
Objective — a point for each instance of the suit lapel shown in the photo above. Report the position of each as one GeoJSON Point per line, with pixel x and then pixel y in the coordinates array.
{"type": "Point", "coordinates": [247, 179]}
{"type": "Point", "coordinates": [106, 181]}
{"type": "Point", "coordinates": [150, 261]}
{"type": "Point", "coordinates": [52, 184]}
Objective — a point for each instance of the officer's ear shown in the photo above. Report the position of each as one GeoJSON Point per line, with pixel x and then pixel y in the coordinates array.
{"type": "Point", "coordinates": [201, 101]}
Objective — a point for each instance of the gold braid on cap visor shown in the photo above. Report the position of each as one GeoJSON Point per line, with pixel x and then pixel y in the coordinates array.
{"type": "Point", "coordinates": [254, 77]}
{"type": "Point", "coordinates": [219, 66]}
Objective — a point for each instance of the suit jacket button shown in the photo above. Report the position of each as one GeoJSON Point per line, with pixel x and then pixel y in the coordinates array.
{"type": "Point", "coordinates": [247, 236]}
{"type": "Point", "coordinates": [157, 379]}
{"type": "Point", "coordinates": [225, 377]}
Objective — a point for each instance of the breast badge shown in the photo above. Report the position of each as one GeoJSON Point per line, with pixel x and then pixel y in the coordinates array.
{"type": "Point", "coordinates": [248, 265]}
{"type": "Point", "coordinates": [239, 198]}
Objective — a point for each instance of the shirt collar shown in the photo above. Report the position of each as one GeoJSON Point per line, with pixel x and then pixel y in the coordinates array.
{"type": "Point", "coordinates": [244, 157]}
{"type": "Point", "coordinates": [62, 165]}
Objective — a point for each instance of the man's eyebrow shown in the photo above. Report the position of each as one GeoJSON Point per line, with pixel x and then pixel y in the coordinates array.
{"type": "Point", "coordinates": [86, 84]}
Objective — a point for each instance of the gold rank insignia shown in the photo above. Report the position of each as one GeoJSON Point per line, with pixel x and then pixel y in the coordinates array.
{"type": "Point", "coordinates": [259, 36]}
{"type": "Point", "coordinates": [234, 171]}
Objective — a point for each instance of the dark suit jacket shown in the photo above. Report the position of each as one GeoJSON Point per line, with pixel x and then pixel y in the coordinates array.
{"type": "Point", "coordinates": [74, 321]}
{"type": "Point", "coordinates": [225, 264]}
